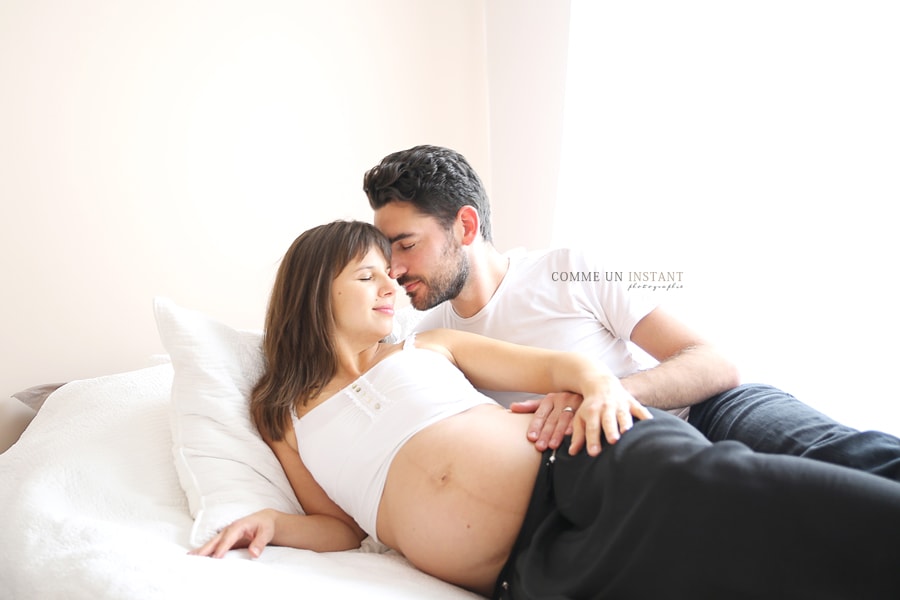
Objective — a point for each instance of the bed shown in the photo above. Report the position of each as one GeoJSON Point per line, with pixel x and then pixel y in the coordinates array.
{"type": "Point", "coordinates": [117, 477]}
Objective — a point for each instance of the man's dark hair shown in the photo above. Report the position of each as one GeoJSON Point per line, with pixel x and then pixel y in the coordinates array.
{"type": "Point", "coordinates": [437, 181]}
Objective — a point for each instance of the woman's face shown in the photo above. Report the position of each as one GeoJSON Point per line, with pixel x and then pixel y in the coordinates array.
{"type": "Point", "coordinates": [363, 296]}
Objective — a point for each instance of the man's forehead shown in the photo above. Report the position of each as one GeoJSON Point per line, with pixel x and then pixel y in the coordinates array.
{"type": "Point", "coordinates": [402, 219]}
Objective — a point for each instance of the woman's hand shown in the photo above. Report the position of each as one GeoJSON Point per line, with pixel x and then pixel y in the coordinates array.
{"type": "Point", "coordinates": [253, 532]}
{"type": "Point", "coordinates": [608, 410]}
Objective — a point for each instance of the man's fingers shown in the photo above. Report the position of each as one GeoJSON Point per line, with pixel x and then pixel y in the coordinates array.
{"type": "Point", "coordinates": [541, 428]}
{"type": "Point", "coordinates": [526, 406]}
{"type": "Point", "coordinates": [563, 427]}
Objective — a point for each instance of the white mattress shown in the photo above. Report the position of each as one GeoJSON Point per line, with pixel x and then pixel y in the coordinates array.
{"type": "Point", "coordinates": [92, 508]}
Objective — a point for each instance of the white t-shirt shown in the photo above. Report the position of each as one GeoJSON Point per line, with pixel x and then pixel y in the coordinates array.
{"type": "Point", "coordinates": [556, 299]}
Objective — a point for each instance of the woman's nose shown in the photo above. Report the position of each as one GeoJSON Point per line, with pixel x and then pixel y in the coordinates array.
{"type": "Point", "coordinates": [389, 287]}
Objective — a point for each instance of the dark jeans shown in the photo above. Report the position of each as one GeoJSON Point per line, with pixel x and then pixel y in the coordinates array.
{"type": "Point", "coordinates": [772, 421]}
{"type": "Point", "coordinates": [664, 513]}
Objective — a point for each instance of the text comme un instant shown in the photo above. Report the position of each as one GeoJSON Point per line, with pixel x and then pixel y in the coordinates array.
{"type": "Point", "coordinates": [629, 276]}
{"type": "Point", "coordinates": [646, 280]}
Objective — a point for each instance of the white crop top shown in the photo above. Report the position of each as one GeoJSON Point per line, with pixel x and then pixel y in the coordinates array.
{"type": "Point", "coordinates": [349, 441]}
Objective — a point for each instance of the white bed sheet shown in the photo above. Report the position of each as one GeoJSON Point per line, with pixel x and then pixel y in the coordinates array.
{"type": "Point", "coordinates": [92, 508]}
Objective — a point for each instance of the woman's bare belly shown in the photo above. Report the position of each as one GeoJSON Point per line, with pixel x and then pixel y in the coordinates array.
{"type": "Point", "coordinates": [456, 495]}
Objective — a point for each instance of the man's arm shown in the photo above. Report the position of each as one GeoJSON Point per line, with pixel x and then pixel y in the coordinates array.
{"type": "Point", "coordinates": [690, 369]}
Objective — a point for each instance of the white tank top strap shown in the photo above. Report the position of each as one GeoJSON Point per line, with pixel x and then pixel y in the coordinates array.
{"type": "Point", "coordinates": [410, 342]}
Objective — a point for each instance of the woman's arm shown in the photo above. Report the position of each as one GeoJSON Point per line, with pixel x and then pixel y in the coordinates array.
{"type": "Point", "coordinates": [321, 533]}
{"type": "Point", "coordinates": [324, 528]}
{"type": "Point", "coordinates": [312, 497]}
{"type": "Point", "coordinates": [497, 365]}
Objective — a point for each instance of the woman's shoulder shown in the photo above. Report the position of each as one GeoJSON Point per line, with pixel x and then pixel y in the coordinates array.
{"type": "Point", "coordinates": [449, 342]}
{"type": "Point", "coordinates": [436, 340]}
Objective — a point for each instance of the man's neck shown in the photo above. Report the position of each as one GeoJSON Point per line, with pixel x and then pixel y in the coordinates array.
{"type": "Point", "coordinates": [487, 268]}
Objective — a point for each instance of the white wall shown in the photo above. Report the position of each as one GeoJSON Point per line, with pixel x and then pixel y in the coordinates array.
{"type": "Point", "coordinates": [527, 44]}
{"type": "Point", "coordinates": [178, 147]}
{"type": "Point", "coordinates": [753, 147]}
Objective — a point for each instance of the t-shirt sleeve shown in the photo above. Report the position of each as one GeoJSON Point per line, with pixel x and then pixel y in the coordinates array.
{"type": "Point", "coordinates": [607, 294]}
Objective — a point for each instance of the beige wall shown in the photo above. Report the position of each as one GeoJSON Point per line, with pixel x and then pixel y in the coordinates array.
{"type": "Point", "coordinates": [527, 45]}
{"type": "Point", "coordinates": [177, 148]}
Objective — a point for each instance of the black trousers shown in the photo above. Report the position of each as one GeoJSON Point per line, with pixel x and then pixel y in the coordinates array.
{"type": "Point", "coordinates": [769, 420]}
{"type": "Point", "coordinates": [665, 513]}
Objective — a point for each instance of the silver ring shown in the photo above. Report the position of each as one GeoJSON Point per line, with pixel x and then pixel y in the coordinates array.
{"type": "Point", "coordinates": [568, 409]}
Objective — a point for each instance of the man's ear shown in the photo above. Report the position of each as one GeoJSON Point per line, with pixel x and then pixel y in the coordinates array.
{"type": "Point", "coordinates": [467, 218]}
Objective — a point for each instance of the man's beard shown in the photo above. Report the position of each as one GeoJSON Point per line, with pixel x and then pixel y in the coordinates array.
{"type": "Point", "coordinates": [446, 284]}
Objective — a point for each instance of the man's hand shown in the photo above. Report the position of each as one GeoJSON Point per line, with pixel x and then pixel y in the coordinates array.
{"type": "Point", "coordinates": [553, 416]}
{"type": "Point", "coordinates": [557, 415]}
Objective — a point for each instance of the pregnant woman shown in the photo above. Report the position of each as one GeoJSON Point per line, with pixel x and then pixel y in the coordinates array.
{"type": "Point", "coordinates": [395, 442]}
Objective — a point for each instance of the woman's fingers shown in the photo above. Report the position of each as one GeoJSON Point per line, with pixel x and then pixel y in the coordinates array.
{"type": "Point", "coordinates": [253, 532]}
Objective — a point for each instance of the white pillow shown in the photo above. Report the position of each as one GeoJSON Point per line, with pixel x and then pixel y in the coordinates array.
{"type": "Point", "coordinates": [226, 469]}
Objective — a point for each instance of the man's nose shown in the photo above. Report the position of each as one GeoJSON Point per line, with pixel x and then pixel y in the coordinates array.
{"type": "Point", "coordinates": [398, 269]}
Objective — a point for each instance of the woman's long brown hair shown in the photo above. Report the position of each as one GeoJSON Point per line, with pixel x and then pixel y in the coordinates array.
{"type": "Point", "coordinates": [298, 345]}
